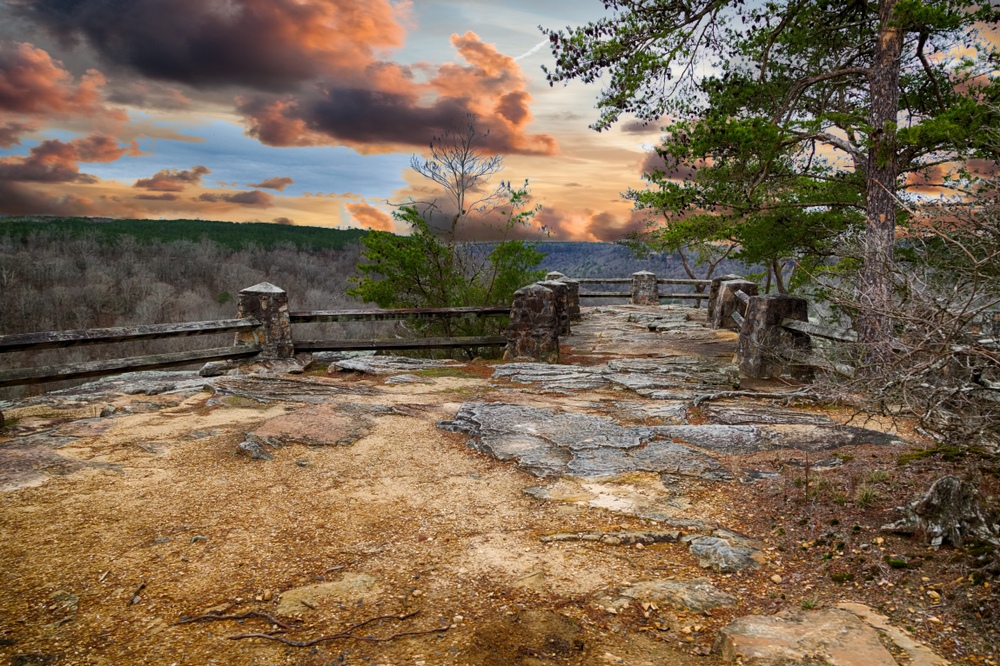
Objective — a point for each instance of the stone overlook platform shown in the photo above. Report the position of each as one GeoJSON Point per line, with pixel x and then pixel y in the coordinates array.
{"type": "Point", "coordinates": [614, 508]}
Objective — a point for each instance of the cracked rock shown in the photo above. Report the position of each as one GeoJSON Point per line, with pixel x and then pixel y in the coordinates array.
{"type": "Point", "coordinates": [695, 595]}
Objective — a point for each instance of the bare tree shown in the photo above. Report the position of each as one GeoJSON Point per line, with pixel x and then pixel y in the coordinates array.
{"type": "Point", "coordinates": [461, 165]}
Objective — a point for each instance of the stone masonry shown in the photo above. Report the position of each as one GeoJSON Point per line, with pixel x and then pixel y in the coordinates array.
{"type": "Point", "coordinates": [561, 292]}
{"type": "Point", "coordinates": [269, 305]}
{"type": "Point", "coordinates": [713, 292]}
{"type": "Point", "coordinates": [645, 290]}
{"type": "Point", "coordinates": [533, 332]}
{"type": "Point", "coordinates": [572, 295]}
{"type": "Point", "coordinates": [765, 348]}
{"type": "Point", "coordinates": [727, 302]}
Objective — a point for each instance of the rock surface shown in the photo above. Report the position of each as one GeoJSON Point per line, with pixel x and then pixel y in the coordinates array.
{"type": "Point", "coordinates": [387, 365]}
{"type": "Point", "coordinates": [834, 637]}
{"type": "Point", "coordinates": [545, 443]}
{"type": "Point", "coordinates": [317, 597]}
{"type": "Point", "coordinates": [696, 595]}
{"type": "Point", "coordinates": [725, 555]}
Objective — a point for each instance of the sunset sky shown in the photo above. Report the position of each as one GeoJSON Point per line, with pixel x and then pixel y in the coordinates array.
{"type": "Point", "coordinates": [301, 109]}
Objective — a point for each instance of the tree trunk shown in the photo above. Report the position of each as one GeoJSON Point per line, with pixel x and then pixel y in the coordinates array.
{"type": "Point", "coordinates": [874, 324]}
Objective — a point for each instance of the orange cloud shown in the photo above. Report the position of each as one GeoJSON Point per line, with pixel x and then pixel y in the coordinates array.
{"type": "Point", "coordinates": [34, 86]}
{"type": "Point", "coordinates": [172, 180]}
{"type": "Point", "coordinates": [367, 215]}
{"type": "Point", "coordinates": [384, 106]}
{"type": "Point", "coordinates": [56, 162]}
{"type": "Point", "coordinates": [274, 183]}
{"type": "Point", "coordinates": [254, 198]}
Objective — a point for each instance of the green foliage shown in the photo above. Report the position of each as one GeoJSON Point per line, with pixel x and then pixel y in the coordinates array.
{"type": "Point", "coordinates": [423, 271]}
{"type": "Point", "coordinates": [769, 150]}
{"type": "Point", "coordinates": [230, 235]}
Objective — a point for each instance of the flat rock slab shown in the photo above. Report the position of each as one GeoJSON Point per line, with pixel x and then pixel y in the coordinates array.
{"type": "Point", "coordinates": [408, 379]}
{"type": "Point", "coordinates": [919, 654]}
{"type": "Point", "coordinates": [315, 598]}
{"type": "Point", "coordinates": [834, 637]}
{"type": "Point", "coordinates": [634, 374]}
{"type": "Point", "coordinates": [274, 389]}
{"type": "Point", "coordinates": [331, 424]}
{"type": "Point", "coordinates": [725, 555]}
{"type": "Point", "coordinates": [696, 595]}
{"type": "Point", "coordinates": [546, 443]}
{"type": "Point", "coordinates": [748, 439]}
{"type": "Point", "coordinates": [622, 537]}
{"type": "Point", "coordinates": [28, 461]}
{"type": "Point", "coordinates": [389, 365]}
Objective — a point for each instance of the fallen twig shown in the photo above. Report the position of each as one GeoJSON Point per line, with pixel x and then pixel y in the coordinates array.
{"type": "Point", "coordinates": [347, 633]}
{"type": "Point", "coordinates": [212, 617]}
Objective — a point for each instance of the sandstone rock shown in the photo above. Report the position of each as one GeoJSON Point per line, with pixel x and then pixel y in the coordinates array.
{"type": "Point", "coordinates": [323, 425]}
{"type": "Point", "coordinates": [627, 537]}
{"type": "Point", "coordinates": [919, 654]}
{"type": "Point", "coordinates": [694, 595]}
{"type": "Point", "coordinates": [387, 365]}
{"type": "Point", "coordinates": [312, 598]}
{"type": "Point", "coordinates": [724, 555]}
{"type": "Point", "coordinates": [833, 637]}
{"type": "Point", "coordinates": [408, 379]}
{"type": "Point", "coordinates": [254, 449]}
{"type": "Point", "coordinates": [545, 443]}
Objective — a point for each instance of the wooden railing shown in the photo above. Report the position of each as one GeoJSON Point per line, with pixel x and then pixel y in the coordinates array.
{"type": "Point", "coordinates": [629, 281]}
{"type": "Point", "coordinates": [245, 327]}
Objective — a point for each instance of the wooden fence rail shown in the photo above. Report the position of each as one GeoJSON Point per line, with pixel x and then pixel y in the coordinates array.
{"type": "Point", "coordinates": [263, 329]}
{"type": "Point", "coordinates": [94, 336]}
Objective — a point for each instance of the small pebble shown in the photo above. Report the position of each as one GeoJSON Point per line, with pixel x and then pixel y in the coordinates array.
{"type": "Point", "coordinates": [775, 578]}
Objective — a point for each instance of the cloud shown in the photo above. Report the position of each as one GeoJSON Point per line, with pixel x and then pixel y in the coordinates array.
{"type": "Point", "coordinates": [283, 220]}
{"type": "Point", "coordinates": [11, 133]}
{"type": "Point", "coordinates": [254, 198]}
{"type": "Point", "coordinates": [33, 86]}
{"type": "Point", "coordinates": [654, 162]}
{"type": "Point", "coordinates": [274, 183]}
{"type": "Point", "coordinates": [56, 162]}
{"type": "Point", "coordinates": [32, 83]}
{"type": "Point", "coordinates": [367, 215]}
{"type": "Point", "coordinates": [608, 228]}
{"type": "Point", "coordinates": [166, 196]}
{"type": "Point", "coordinates": [386, 107]}
{"type": "Point", "coordinates": [172, 180]}
{"type": "Point", "coordinates": [262, 44]}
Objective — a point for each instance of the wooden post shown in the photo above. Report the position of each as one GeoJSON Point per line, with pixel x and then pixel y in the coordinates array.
{"type": "Point", "coordinates": [268, 305]}
{"type": "Point", "coordinates": [728, 302]}
{"type": "Point", "coordinates": [645, 289]}
{"type": "Point", "coordinates": [533, 332]}
{"type": "Point", "coordinates": [713, 292]}
{"type": "Point", "coordinates": [765, 348]}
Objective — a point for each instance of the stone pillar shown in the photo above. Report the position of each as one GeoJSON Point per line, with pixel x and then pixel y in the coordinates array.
{"type": "Point", "coordinates": [645, 290]}
{"type": "Point", "coordinates": [713, 292]}
{"type": "Point", "coordinates": [573, 293]}
{"type": "Point", "coordinates": [561, 291]}
{"type": "Point", "coordinates": [573, 298]}
{"type": "Point", "coordinates": [269, 305]}
{"type": "Point", "coordinates": [727, 302]}
{"type": "Point", "coordinates": [766, 349]}
{"type": "Point", "coordinates": [534, 326]}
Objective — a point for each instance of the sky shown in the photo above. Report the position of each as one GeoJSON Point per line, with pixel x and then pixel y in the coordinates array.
{"type": "Point", "coordinates": [296, 110]}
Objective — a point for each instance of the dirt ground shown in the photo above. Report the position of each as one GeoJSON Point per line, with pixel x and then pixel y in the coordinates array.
{"type": "Point", "coordinates": [411, 527]}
